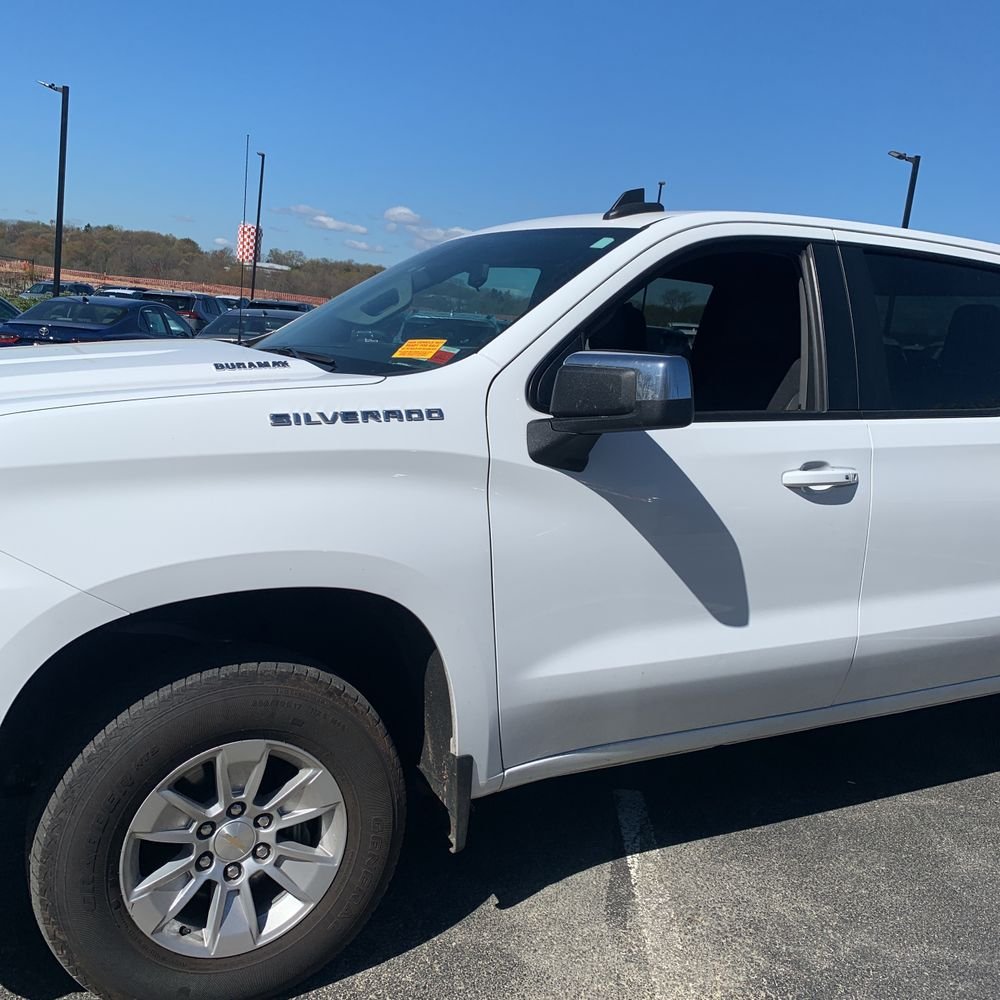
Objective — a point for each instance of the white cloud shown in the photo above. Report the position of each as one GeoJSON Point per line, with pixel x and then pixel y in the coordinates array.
{"type": "Point", "coordinates": [435, 234]}
{"type": "Point", "coordinates": [328, 222]}
{"type": "Point", "coordinates": [423, 232]}
{"type": "Point", "coordinates": [366, 247]}
{"type": "Point", "coordinates": [221, 241]}
{"type": "Point", "coordinates": [298, 210]}
{"type": "Point", "coordinates": [400, 215]}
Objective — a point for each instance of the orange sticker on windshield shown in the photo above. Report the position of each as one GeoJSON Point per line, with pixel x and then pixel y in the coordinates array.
{"type": "Point", "coordinates": [423, 350]}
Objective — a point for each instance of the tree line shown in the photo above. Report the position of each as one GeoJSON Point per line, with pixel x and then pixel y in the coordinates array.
{"type": "Point", "coordinates": [145, 254]}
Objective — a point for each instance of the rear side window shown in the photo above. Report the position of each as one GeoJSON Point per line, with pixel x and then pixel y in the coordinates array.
{"type": "Point", "coordinates": [929, 329]}
{"type": "Point", "coordinates": [153, 322]}
{"type": "Point", "coordinates": [176, 302]}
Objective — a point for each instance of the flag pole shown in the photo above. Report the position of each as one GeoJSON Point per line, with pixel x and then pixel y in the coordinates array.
{"type": "Point", "coordinates": [256, 231]}
{"type": "Point", "coordinates": [243, 219]}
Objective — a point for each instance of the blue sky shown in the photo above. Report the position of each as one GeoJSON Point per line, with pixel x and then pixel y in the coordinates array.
{"type": "Point", "coordinates": [456, 115]}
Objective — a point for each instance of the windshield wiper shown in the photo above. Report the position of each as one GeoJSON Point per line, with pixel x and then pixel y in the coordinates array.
{"type": "Point", "coordinates": [323, 360]}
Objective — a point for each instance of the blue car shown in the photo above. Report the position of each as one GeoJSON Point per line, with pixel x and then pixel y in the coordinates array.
{"type": "Point", "coordinates": [8, 310]}
{"type": "Point", "coordinates": [74, 319]}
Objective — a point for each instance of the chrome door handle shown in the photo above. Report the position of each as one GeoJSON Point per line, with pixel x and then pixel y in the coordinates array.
{"type": "Point", "coordinates": [825, 475]}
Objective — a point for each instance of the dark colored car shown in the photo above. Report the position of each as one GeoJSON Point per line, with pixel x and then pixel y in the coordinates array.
{"type": "Point", "coordinates": [198, 308]}
{"type": "Point", "coordinates": [42, 288]}
{"type": "Point", "coordinates": [73, 319]}
{"type": "Point", "coordinates": [8, 310]}
{"type": "Point", "coordinates": [280, 304]}
{"type": "Point", "coordinates": [241, 326]}
{"type": "Point", "coordinates": [233, 301]}
{"type": "Point", "coordinates": [458, 329]}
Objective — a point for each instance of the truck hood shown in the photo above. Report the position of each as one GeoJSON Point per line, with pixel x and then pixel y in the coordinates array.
{"type": "Point", "coordinates": [43, 377]}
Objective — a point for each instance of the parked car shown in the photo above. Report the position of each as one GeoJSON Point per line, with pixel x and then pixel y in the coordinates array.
{"type": "Point", "coordinates": [78, 318]}
{"type": "Point", "coordinates": [249, 594]}
{"type": "Point", "coordinates": [198, 308]}
{"type": "Point", "coordinates": [122, 291]}
{"type": "Point", "coordinates": [41, 289]}
{"type": "Point", "coordinates": [460, 329]}
{"type": "Point", "coordinates": [241, 326]}
{"type": "Point", "coordinates": [8, 310]}
{"type": "Point", "coordinates": [233, 301]}
{"type": "Point", "coordinates": [281, 304]}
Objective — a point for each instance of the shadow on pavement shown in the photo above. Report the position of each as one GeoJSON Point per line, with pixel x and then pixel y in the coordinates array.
{"type": "Point", "coordinates": [532, 837]}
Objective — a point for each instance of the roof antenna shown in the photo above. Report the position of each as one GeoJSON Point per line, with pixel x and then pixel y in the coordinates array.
{"type": "Point", "coordinates": [659, 193]}
{"type": "Point", "coordinates": [631, 202]}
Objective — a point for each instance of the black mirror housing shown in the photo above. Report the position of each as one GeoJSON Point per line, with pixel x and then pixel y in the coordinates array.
{"type": "Point", "coordinates": [597, 392]}
{"type": "Point", "coordinates": [600, 391]}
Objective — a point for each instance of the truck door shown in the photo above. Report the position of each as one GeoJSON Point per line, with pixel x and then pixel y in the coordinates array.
{"type": "Point", "coordinates": [687, 578]}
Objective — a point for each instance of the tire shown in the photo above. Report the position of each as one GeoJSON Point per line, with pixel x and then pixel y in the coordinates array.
{"type": "Point", "coordinates": [97, 866]}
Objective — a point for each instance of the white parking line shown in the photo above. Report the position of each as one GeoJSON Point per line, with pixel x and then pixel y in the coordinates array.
{"type": "Point", "coordinates": [638, 839]}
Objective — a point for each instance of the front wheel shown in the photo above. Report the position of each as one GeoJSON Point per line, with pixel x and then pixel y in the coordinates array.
{"type": "Point", "coordinates": [222, 839]}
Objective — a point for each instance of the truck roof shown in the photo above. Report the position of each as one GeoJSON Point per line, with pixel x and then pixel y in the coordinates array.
{"type": "Point", "coordinates": [680, 220]}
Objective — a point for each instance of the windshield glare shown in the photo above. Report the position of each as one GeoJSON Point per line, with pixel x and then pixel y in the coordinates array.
{"type": "Point", "coordinates": [62, 310]}
{"type": "Point", "coordinates": [446, 303]}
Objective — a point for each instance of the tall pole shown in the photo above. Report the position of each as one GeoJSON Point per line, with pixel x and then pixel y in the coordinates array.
{"type": "Point", "coordinates": [914, 167]}
{"type": "Point", "coordinates": [256, 247]}
{"type": "Point", "coordinates": [60, 196]}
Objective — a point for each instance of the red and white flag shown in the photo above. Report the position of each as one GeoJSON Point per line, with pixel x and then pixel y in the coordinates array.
{"type": "Point", "coordinates": [248, 240]}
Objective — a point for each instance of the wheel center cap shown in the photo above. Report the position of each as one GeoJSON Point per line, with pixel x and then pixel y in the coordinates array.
{"type": "Point", "coordinates": [234, 841]}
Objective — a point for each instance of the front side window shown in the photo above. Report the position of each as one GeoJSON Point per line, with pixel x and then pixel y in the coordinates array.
{"type": "Point", "coordinates": [932, 336]}
{"type": "Point", "coordinates": [737, 315]}
{"type": "Point", "coordinates": [446, 303]}
{"type": "Point", "coordinates": [177, 326]}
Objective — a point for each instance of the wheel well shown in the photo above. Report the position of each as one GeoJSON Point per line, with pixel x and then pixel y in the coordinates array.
{"type": "Point", "coordinates": [375, 644]}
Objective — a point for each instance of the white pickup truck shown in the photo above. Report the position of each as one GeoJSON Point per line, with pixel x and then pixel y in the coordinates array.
{"type": "Point", "coordinates": [549, 497]}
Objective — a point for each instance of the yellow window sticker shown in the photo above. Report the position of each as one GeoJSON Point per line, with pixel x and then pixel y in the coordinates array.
{"type": "Point", "coordinates": [422, 349]}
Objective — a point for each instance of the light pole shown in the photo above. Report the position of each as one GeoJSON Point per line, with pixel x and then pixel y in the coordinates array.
{"type": "Point", "coordinates": [914, 162]}
{"type": "Point", "coordinates": [256, 234]}
{"type": "Point", "coordinates": [57, 261]}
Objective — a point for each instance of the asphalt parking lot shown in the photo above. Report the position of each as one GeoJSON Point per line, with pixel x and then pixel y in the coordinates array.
{"type": "Point", "coordinates": [857, 862]}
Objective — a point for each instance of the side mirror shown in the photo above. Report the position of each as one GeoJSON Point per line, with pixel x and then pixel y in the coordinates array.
{"type": "Point", "coordinates": [597, 392]}
{"type": "Point", "coordinates": [600, 391]}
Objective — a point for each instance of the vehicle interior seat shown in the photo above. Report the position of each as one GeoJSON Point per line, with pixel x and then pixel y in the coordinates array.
{"type": "Point", "coordinates": [969, 362]}
{"type": "Point", "coordinates": [750, 334]}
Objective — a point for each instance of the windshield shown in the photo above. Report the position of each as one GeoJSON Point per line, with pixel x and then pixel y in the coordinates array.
{"type": "Point", "coordinates": [233, 323]}
{"type": "Point", "coordinates": [62, 310]}
{"type": "Point", "coordinates": [446, 303]}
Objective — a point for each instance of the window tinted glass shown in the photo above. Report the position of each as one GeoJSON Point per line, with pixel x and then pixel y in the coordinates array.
{"type": "Point", "coordinates": [153, 322]}
{"type": "Point", "coordinates": [736, 316]}
{"type": "Point", "coordinates": [177, 302]}
{"type": "Point", "coordinates": [177, 326]}
{"type": "Point", "coordinates": [55, 310]}
{"type": "Point", "coordinates": [938, 323]}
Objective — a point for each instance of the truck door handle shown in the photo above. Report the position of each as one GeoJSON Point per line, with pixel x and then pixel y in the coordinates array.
{"type": "Point", "coordinates": [825, 475]}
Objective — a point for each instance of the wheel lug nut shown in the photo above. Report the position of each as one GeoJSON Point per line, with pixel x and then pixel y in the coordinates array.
{"type": "Point", "coordinates": [232, 872]}
{"type": "Point", "coordinates": [204, 862]}
{"type": "Point", "coordinates": [261, 851]}
{"type": "Point", "coordinates": [263, 821]}
{"type": "Point", "coordinates": [206, 829]}
{"type": "Point", "coordinates": [236, 809]}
